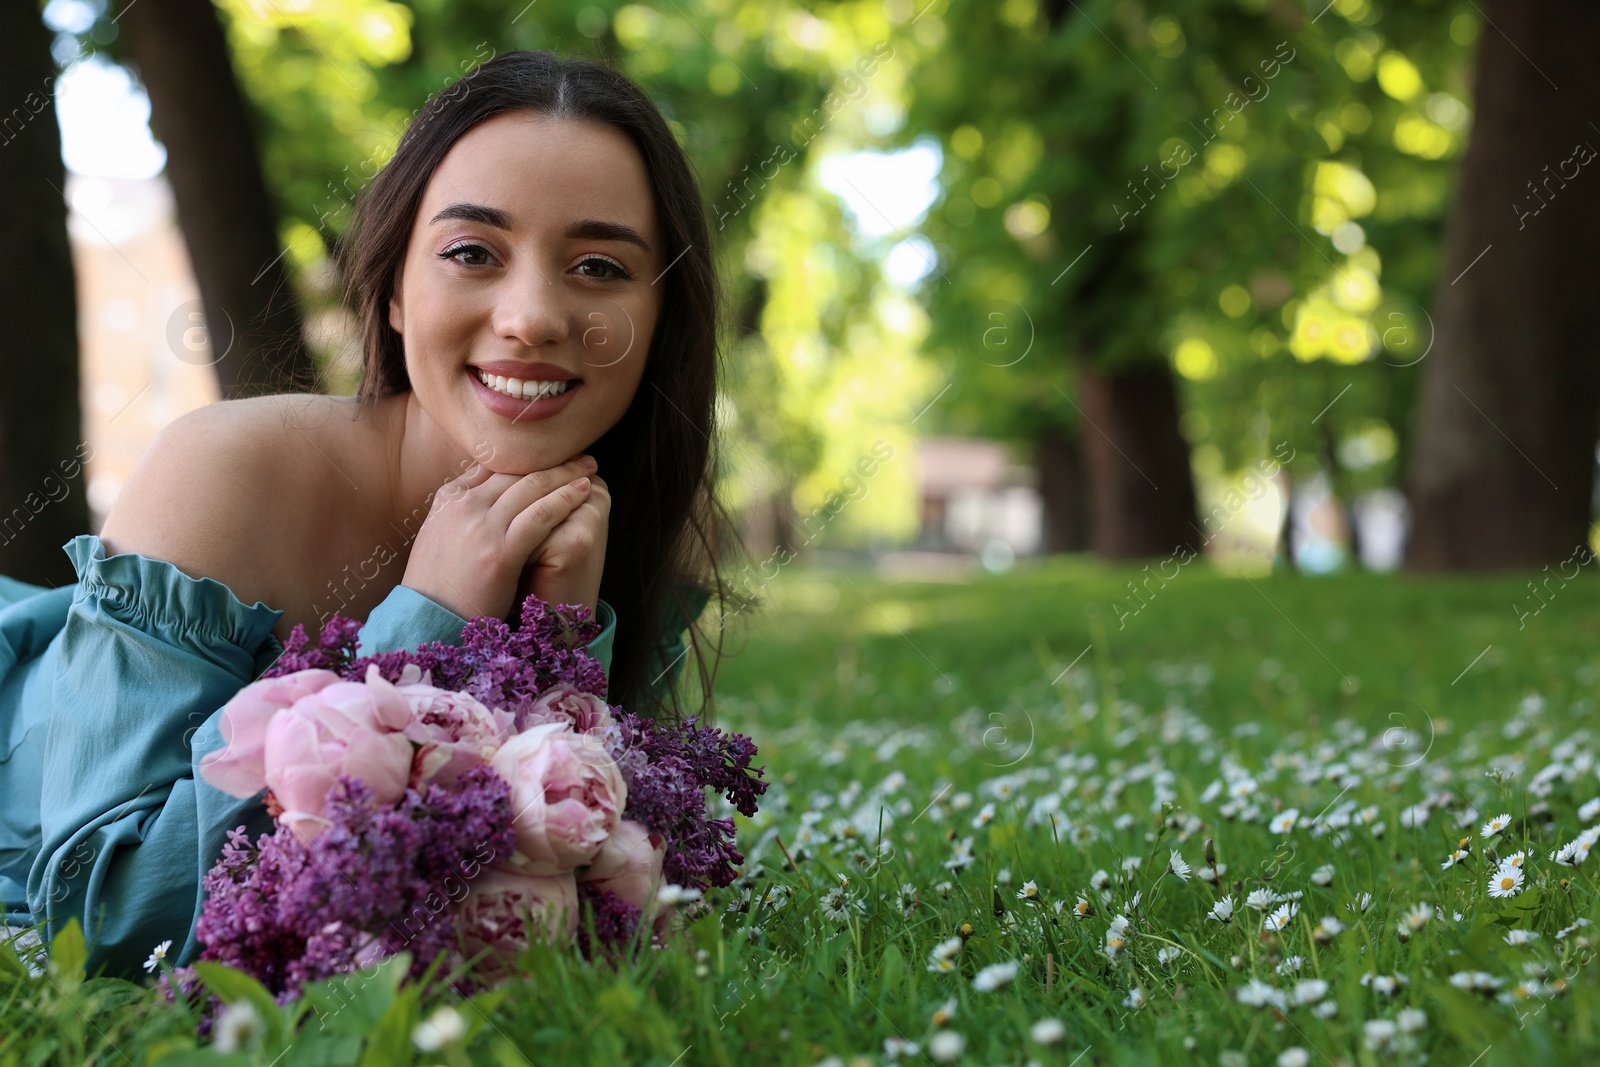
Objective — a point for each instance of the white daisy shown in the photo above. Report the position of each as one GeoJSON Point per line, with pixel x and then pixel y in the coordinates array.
{"type": "Point", "coordinates": [1047, 1031]}
{"type": "Point", "coordinates": [1029, 891]}
{"type": "Point", "coordinates": [1577, 924]}
{"type": "Point", "coordinates": [1506, 882]}
{"type": "Point", "coordinates": [994, 976]}
{"type": "Point", "coordinates": [1410, 1020]}
{"type": "Point", "coordinates": [1495, 825]}
{"type": "Point", "coordinates": [1285, 820]}
{"type": "Point", "coordinates": [1378, 1033]}
{"type": "Point", "coordinates": [444, 1027]}
{"type": "Point", "coordinates": [942, 959]}
{"type": "Point", "coordinates": [1134, 999]}
{"type": "Point", "coordinates": [676, 894]}
{"type": "Point", "coordinates": [946, 1046]}
{"type": "Point", "coordinates": [157, 954]}
{"type": "Point", "coordinates": [1222, 910]}
{"type": "Point", "coordinates": [1310, 990]}
{"type": "Point", "coordinates": [1177, 865]}
{"type": "Point", "coordinates": [1257, 994]}
{"type": "Point", "coordinates": [837, 903]}
{"type": "Point", "coordinates": [237, 1027]}
{"type": "Point", "coordinates": [1280, 918]}
{"type": "Point", "coordinates": [1324, 875]}
{"type": "Point", "coordinates": [1521, 937]}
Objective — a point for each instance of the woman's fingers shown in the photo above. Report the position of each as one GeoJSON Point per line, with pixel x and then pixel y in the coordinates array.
{"type": "Point", "coordinates": [533, 524]}
{"type": "Point", "coordinates": [519, 493]}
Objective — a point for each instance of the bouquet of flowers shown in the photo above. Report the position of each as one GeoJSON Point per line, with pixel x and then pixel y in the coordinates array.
{"type": "Point", "coordinates": [458, 799]}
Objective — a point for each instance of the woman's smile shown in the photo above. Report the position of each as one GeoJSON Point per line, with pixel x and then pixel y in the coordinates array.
{"type": "Point", "coordinates": [520, 400]}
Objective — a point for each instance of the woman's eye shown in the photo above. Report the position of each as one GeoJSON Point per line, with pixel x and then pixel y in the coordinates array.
{"type": "Point", "coordinates": [603, 265]}
{"type": "Point", "coordinates": [462, 254]}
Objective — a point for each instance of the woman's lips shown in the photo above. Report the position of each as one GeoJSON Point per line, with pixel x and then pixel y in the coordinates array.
{"type": "Point", "coordinates": [517, 409]}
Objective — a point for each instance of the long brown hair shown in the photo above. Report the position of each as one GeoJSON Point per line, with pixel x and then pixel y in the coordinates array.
{"type": "Point", "coordinates": [659, 461]}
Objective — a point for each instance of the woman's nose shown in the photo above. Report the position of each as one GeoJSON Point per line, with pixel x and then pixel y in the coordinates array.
{"type": "Point", "coordinates": [531, 308]}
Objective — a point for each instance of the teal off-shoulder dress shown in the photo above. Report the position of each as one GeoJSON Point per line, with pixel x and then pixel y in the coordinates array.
{"type": "Point", "coordinates": [110, 690]}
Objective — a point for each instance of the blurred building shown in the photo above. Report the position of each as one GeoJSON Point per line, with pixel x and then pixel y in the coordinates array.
{"type": "Point", "coordinates": [975, 498]}
{"type": "Point", "coordinates": [142, 354]}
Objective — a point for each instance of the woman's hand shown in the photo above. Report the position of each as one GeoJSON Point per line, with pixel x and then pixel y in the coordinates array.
{"type": "Point", "coordinates": [483, 529]}
{"type": "Point", "coordinates": [566, 568]}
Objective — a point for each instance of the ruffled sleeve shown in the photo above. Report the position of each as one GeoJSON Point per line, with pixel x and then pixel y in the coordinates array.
{"type": "Point", "coordinates": [146, 660]}
{"type": "Point", "coordinates": [147, 657]}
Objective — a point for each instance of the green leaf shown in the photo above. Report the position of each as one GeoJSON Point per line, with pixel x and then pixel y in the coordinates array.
{"type": "Point", "coordinates": [11, 964]}
{"type": "Point", "coordinates": [1464, 1016]}
{"type": "Point", "coordinates": [232, 985]}
{"type": "Point", "coordinates": [313, 1049]}
{"type": "Point", "coordinates": [485, 1004]}
{"type": "Point", "coordinates": [355, 1003]}
{"type": "Point", "coordinates": [109, 994]}
{"type": "Point", "coordinates": [390, 1042]}
{"type": "Point", "coordinates": [891, 968]}
{"type": "Point", "coordinates": [42, 1052]}
{"type": "Point", "coordinates": [69, 954]}
{"type": "Point", "coordinates": [203, 1057]}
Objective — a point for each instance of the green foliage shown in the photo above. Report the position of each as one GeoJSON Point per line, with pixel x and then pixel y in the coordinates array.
{"type": "Point", "coordinates": [864, 694]}
{"type": "Point", "coordinates": [1207, 162]}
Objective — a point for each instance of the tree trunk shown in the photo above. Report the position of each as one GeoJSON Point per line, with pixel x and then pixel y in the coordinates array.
{"type": "Point", "coordinates": [1141, 490]}
{"type": "Point", "coordinates": [42, 503]}
{"type": "Point", "coordinates": [1503, 469]}
{"type": "Point", "coordinates": [1063, 490]}
{"type": "Point", "coordinates": [199, 113]}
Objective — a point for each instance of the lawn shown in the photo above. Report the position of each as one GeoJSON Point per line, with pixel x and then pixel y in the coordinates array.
{"type": "Point", "coordinates": [1018, 810]}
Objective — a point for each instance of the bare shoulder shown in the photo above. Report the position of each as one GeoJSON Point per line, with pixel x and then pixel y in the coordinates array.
{"type": "Point", "coordinates": [219, 495]}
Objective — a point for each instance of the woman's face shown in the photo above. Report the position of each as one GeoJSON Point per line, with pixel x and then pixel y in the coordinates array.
{"type": "Point", "coordinates": [534, 255]}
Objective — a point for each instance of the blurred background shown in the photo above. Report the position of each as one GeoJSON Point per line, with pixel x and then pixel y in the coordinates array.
{"type": "Point", "coordinates": [1284, 284]}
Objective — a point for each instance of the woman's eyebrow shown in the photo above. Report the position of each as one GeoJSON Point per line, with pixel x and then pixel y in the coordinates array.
{"type": "Point", "coordinates": [599, 230]}
{"type": "Point", "coordinates": [489, 216]}
{"type": "Point", "coordinates": [585, 229]}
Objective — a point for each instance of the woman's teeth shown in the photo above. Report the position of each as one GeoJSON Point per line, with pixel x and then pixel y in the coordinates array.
{"type": "Point", "coordinates": [522, 390]}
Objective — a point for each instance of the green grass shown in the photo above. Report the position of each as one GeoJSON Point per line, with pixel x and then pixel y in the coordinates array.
{"type": "Point", "coordinates": [890, 715]}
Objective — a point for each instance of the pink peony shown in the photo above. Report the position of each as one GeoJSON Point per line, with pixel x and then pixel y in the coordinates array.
{"type": "Point", "coordinates": [629, 864]}
{"type": "Point", "coordinates": [567, 795]}
{"type": "Point", "coordinates": [349, 728]}
{"type": "Point", "coordinates": [498, 907]}
{"type": "Point", "coordinates": [239, 768]}
{"type": "Point", "coordinates": [563, 702]}
{"type": "Point", "coordinates": [453, 731]}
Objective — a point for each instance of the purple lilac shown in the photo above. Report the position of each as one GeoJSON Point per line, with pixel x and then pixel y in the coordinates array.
{"type": "Point", "coordinates": [377, 880]}
{"type": "Point", "coordinates": [501, 667]}
{"type": "Point", "coordinates": [615, 920]}
{"type": "Point", "coordinates": [668, 769]}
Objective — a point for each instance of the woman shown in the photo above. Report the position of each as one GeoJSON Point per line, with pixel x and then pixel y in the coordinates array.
{"type": "Point", "coordinates": [533, 277]}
